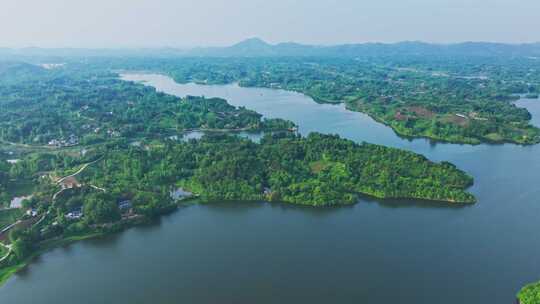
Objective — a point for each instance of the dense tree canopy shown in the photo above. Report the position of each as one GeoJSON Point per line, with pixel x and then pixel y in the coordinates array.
{"type": "Point", "coordinates": [317, 170]}
{"type": "Point", "coordinates": [69, 107]}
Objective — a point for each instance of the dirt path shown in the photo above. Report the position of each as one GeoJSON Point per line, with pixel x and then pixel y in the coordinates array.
{"type": "Point", "coordinates": [75, 174]}
{"type": "Point", "coordinates": [79, 171]}
{"type": "Point", "coordinates": [98, 188]}
{"type": "Point", "coordinates": [26, 146]}
{"type": "Point", "coordinates": [10, 226]}
{"type": "Point", "coordinates": [8, 253]}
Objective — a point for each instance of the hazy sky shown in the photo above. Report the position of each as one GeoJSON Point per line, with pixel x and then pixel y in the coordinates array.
{"type": "Point", "coordinates": [177, 23]}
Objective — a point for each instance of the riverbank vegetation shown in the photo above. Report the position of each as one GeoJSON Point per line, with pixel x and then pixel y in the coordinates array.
{"type": "Point", "coordinates": [462, 100]}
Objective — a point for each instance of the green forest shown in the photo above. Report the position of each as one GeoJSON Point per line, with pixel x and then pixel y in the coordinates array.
{"type": "Point", "coordinates": [317, 170]}
{"type": "Point", "coordinates": [63, 108]}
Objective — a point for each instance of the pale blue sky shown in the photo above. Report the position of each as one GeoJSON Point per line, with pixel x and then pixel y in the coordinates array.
{"type": "Point", "coordinates": [179, 23]}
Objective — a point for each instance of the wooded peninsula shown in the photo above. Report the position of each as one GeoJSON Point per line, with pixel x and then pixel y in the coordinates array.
{"type": "Point", "coordinates": [101, 154]}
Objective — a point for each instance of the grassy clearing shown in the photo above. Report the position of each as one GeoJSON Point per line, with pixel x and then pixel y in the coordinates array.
{"type": "Point", "coordinates": [318, 166]}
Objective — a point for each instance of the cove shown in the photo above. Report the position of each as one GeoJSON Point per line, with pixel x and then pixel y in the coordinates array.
{"type": "Point", "coordinates": [372, 252]}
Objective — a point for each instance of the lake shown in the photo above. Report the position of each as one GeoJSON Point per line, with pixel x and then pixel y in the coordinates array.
{"type": "Point", "coordinates": [372, 252]}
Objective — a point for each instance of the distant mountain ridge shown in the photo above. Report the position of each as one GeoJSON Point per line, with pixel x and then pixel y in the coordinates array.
{"type": "Point", "coordinates": [13, 70]}
{"type": "Point", "coordinates": [255, 47]}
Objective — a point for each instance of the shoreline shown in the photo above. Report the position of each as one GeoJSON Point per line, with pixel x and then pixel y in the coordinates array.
{"type": "Point", "coordinates": [473, 141]}
{"type": "Point", "coordinates": [119, 227]}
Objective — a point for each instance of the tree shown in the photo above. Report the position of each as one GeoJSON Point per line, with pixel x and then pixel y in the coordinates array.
{"type": "Point", "coordinates": [100, 209]}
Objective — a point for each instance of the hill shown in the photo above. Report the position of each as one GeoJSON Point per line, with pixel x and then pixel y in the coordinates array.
{"type": "Point", "coordinates": [255, 47]}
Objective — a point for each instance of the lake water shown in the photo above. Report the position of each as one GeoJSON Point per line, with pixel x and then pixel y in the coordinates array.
{"type": "Point", "coordinates": [372, 252]}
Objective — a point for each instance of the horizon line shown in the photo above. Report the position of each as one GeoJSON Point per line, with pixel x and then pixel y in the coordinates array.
{"type": "Point", "coordinates": [149, 47]}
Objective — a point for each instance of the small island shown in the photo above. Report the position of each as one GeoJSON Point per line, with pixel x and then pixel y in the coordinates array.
{"type": "Point", "coordinates": [529, 294]}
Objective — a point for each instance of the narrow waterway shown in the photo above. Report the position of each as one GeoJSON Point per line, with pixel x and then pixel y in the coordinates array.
{"type": "Point", "coordinates": [372, 252]}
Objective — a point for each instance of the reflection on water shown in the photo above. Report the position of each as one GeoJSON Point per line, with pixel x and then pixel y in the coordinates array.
{"type": "Point", "coordinates": [408, 203]}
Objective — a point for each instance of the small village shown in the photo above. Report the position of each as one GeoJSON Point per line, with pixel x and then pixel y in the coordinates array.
{"type": "Point", "coordinates": [71, 141]}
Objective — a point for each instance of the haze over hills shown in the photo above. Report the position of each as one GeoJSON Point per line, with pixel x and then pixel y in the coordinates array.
{"type": "Point", "coordinates": [255, 47]}
{"type": "Point", "coordinates": [12, 71]}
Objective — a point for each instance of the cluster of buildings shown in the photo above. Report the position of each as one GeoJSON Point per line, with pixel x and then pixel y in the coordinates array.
{"type": "Point", "coordinates": [72, 140]}
{"type": "Point", "coordinates": [110, 132]}
{"type": "Point", "coordinates": [113, 133]}
{"type": "Point", "coordinates": [70, 183]}
{"type": "Point", "coordinates": [75, 214]}
{"type": "Point", "coordinates": [125, 206]}
{"type": "Point", "coordinates": [180, 194]}
{"type": "Point", "coordinates": [50, 66]}
{"type": "Point", "coordinates": [32, 212]}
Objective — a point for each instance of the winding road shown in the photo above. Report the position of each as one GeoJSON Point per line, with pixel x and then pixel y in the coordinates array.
{"type": "Point", "coordinates": [79, 171]}
{"type": "Point", "coordinates": [6, 229]}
